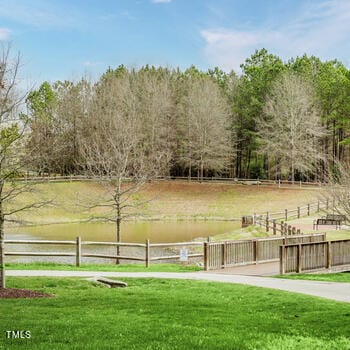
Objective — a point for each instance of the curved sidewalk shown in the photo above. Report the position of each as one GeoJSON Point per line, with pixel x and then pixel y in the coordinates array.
{"type": "Point", "coordinates": [329, 290]}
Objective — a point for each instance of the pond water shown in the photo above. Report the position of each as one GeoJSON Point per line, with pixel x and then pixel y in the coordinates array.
{"type": "Point", "coordinates": [132, 231]}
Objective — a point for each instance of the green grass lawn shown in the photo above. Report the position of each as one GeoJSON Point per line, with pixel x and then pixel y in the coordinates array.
{"type": "Point", "coordinates": [102, 267]}
{"type": "Point", "coordinates": [171, 314]}
{"type": "Point", "coordinates": [329, 277]}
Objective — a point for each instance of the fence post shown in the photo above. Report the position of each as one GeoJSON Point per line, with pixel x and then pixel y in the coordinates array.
{"type": "Point", "coordinates": [279, 183]}
{"type": "Point", "coordinates": [318, 206]}
{"type": "Point", "coordinates": [282, 260]}
{"type": "Point", "coordinates": [282, 227]}
{"type": "Point", "coordinates": [300, 183]}
{"type": "Point", "coordinates": [308, 209]}
{"type": "Point", "coordinates": [286, 214]}
{"type": "Point", "coordinates": [267, 224]}
{"type": "Point", "coordinates": [256, 251]}
{"type": "Point", "coordinates": [206, 256]}
{"type": "Point", "coordinates": [78, 252]}
{"type": "Point", "coordinates": [274, 227]}
{"type": "Point", "coordinates": [289, 230]}
{"type": "Point", "coordinates": [223, 255]}
{"type": "Point", "coordinates": [299, 259]}
{"type": "Point", "coordinates": [147, 259]}
{"type": "Point", "coordinates": [298, 212]}
{"type": "Point", "coordinates": [329, 254]}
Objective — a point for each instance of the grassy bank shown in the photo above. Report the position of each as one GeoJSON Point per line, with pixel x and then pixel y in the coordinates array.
{"type": "Point", "coordinates": [306, 226]}
{"type": "Point", "coordinates": [109, 267]}
{"type": "Point", "coordinates": [170, 314]}
{"type": "Point", "coordinates": [168, 200]}
{"type": "Point", "coordinates": [328, 277]}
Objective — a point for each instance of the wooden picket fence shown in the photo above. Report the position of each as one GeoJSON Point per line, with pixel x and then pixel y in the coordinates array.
{"type": "Point", "coordinates": [218, 255]}
{"type": "Point", "coordinates": [312, 256]}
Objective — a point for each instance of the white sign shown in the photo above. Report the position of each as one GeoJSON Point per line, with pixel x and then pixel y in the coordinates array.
{"type": "Point", "coordinates": [183, 254]}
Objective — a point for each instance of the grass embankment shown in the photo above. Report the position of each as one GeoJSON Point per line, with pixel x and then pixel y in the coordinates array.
{"type": "Point", "coordinates": [306, 226]}
{"type": "Point", "coordinates": [327, 277]}
{"type": "Point", "coordinates": [102, 267]}
{"type": "Point", "coordinates": [169, 200]}
{"type": "Point", "coordinates": [170, 314]}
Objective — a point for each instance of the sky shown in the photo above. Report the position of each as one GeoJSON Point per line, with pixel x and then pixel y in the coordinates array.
{"type": "Point", "coordinates": [66, 39]}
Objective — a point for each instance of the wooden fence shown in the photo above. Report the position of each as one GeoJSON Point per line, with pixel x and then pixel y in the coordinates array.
{"type": "Point", "coordinates": [219, 255]}
{"type": "Point", "coordinates": [286, 214]}
{"type": "Point", "coordinates": [258, 182]}
{"type": "Point", "coordinates": [78, 252]}
{"type": "Point", "coordinates": [279, 227]}
{"type": "Point", "coordinates": [314, 256]}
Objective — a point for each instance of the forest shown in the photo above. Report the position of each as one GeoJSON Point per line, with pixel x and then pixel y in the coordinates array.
{"type": "Point", "coordinates": [273, 120]}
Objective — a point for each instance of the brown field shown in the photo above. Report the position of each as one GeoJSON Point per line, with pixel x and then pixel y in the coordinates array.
{"type": "Point", "coordinates": [167, 200]}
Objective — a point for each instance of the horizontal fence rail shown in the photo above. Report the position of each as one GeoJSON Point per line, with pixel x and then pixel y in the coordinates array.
{"type": "Point", "coordinates": [267, 218]}
{"type": "Point", "coordinates": [278, 183]}
{"type": "Point", "coordinates": [306, 257]}
{"type": "Point", "coordinates": [219, 255]}
{"type": "Point", "coordinates": [169, 251]}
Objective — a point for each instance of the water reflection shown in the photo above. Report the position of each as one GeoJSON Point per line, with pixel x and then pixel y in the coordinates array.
{"type": "Point", "coordinates": [156, 231]}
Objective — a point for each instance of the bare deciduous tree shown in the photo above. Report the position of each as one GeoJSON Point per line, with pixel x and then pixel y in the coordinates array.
{"type": "Point", "coordinates": [291, 130]}
{"type": "Point", "coordinates": [206, 139]}
{"type": "Point", "coordinates": [338, 189]}
{"type": "Point", "coordinates": [12, 139]}
{"type": "Point", "coordinates": [123, 145]}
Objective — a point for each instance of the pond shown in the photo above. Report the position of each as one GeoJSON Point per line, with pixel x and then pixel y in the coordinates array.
{"type": "Point", "coordinates": [132, 232]}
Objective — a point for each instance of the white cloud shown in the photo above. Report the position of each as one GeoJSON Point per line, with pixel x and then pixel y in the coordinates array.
{"type": "Point", "coordinates": [161, 1]}
{"type": "Point", "coordinates": [4, 34]}
{"type": "Point", "coordinates": [90, 63]}
{"type": "Point", "coordinates": [321, 29]}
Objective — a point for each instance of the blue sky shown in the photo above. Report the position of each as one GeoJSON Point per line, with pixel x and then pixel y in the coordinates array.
{"type": "Point", "coordinates": [64, 39]}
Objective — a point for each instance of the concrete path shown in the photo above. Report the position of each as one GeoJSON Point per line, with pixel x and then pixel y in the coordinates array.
{"type": "Point", "coordinates": [261, 269]}
{"type": "Point", "coordinates": [329, 290]}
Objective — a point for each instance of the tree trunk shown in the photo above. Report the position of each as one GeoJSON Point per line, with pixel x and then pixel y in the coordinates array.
{"type": "Point", "coordinates": [238, 160]}
{"type": "Point", "coordinates": [247, 175]}
{"type": "Point", "coordinates": [2, 251]}
{"type": "Point", "coordinates": [119, 216]}
{"type": "Point", "coordinates": [118, 238]}
{"type": "Point", "coordinates": [335, 148]}
{"type": "Point", "coordinates": [202, 167]}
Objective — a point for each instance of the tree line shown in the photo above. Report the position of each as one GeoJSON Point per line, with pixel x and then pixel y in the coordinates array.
{"type": "Point", "coordinates": [275, 120]}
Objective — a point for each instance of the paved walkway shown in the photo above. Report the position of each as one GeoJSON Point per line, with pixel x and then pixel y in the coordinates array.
{"type": "Point", "coordinates": [261, 269]}
{"type": "Point", "coordinates": [329, 290]}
